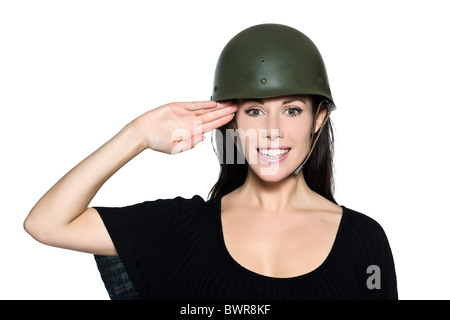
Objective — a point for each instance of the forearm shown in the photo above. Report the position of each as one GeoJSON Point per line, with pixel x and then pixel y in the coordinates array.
{"type": "Point", "coordinates": [71, 195]}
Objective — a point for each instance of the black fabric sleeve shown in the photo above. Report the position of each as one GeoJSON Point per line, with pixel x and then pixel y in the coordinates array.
{"type": "Point", "coordinates": [375, 264]}
{"type": "Point", "coordinates": [387, 269]}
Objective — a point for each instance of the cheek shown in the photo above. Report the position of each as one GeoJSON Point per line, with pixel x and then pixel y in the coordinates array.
{"type": "Point", "coordinates": [300, 136]}
{"type": "Point", "coordinates": [248, 141]}
{"type": "Point", "coordinates": [247, 131]}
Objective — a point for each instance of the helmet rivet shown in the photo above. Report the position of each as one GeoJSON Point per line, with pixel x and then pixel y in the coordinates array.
{"type": "Point", "coordinates": [263, 80]}
{"type": "Point", "coordinates": [215, 88]}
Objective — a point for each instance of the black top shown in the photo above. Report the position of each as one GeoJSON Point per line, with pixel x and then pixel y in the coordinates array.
{"type": "Point", "coordinates": [174, 249]}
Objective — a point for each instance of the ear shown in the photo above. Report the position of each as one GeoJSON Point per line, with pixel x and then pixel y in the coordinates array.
{"type": "Point", "coordinates": [320, 119]}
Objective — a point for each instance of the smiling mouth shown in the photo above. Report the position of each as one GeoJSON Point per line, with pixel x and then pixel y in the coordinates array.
{"type": "Point", "coordinates": [273, 153]}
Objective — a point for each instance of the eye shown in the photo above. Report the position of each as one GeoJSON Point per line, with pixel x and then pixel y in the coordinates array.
{"type": "Point", "coordinates": [253, 112]}
{"type": "Point", "coordinates": [293, 112]}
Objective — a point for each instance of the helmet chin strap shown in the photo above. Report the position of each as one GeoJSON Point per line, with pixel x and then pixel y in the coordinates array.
{"type": "Point", "coordinates": [312, 143]}
{"type": "Point", "coordinates": [298, 169]}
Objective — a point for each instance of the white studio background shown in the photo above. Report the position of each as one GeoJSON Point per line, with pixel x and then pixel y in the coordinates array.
{"type": "Point", "coordinates": [73, 73]}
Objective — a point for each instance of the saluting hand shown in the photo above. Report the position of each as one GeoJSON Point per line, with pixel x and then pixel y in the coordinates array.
{"type": "Point", "coordinates": [179, 126]}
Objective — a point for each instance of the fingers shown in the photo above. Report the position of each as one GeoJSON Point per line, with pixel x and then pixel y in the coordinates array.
{"type": "Point", "coordinates": [216, 123]}
{"type": "Point", "coordinates": [187, 144]}
{"type": "Point", "coordinates": [209, 115]}
{"type": "Point", "coordinates": [197, 139]}
{"type": "Point", "coordinates": [216, 117]}
{"type": "Point", "coordinates": [200, 105]}
{"type": "Point", "coordinates": [217, 113]}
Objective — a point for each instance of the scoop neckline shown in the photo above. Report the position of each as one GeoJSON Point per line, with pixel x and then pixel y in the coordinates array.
{"type": "Point", "coordinates": [241, 268]}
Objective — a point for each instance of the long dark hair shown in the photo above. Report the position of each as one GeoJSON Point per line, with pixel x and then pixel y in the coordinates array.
{"type": "Point", "coordinates": [317, 171]}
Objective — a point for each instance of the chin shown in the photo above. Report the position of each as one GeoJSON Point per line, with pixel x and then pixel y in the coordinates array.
{"type": "Point", "coordinates": [271, 173]}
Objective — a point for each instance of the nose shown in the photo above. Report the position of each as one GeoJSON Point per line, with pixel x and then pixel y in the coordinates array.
{"type": "Point", "coordinates": [273, 130]}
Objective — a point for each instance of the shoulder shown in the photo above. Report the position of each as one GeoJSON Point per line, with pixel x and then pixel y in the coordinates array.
{"type": "Point", "coordinates": [151, 211]}
{"type": "Point", "coordinates": [361, 221]}
{"type": "Point", "coordinates": [178, 202]}
{"type": "Point", "coordinates": [373, 258]}
{"type": "Point", "coordinates": [364, 231]}
{"type": "Point", "coordinates": [181, 206]}
{"type": "Point", "coordinates": [161, 203]}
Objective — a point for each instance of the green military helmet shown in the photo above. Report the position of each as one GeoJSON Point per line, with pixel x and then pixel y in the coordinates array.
{"type": "Point", "coordinates": [270, 60]}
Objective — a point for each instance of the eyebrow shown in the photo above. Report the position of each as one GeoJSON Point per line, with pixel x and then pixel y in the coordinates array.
{"type": "Point", "coordinates": [294, 99]}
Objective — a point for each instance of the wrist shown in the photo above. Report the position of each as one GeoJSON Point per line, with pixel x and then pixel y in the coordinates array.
{"type": "Point", "coordinates": [134, 137]}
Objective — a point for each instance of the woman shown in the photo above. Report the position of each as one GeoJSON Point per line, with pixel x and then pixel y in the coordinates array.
{"type": "Point", "coordinates": [271, 228]}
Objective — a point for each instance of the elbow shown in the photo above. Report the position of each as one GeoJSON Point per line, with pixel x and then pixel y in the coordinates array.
{"type": "Point", "coordinates": [35, 228]}
{"type": "Point", "coordinates": [30, 226]}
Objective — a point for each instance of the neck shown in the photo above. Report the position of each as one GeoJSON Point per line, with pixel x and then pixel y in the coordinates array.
{"type": "Point", "coordinates": [289, 193]}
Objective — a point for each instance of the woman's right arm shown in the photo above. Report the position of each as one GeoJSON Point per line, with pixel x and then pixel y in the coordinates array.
{"type": "Point", "coordinates": [62, 218]}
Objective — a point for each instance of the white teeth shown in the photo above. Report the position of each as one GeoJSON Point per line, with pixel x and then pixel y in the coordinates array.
{"type": "Point", "coordinates": [273, 153]}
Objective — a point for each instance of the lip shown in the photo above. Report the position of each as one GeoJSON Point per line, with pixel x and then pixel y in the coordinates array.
{"type": "Point", "coordinates": [274, 147]}
{"type": "Point", "coordinates": [273, 160]}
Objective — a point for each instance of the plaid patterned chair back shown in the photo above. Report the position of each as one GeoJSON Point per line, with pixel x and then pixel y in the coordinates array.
{"type": "Point", "coordinates": [115, 277]}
